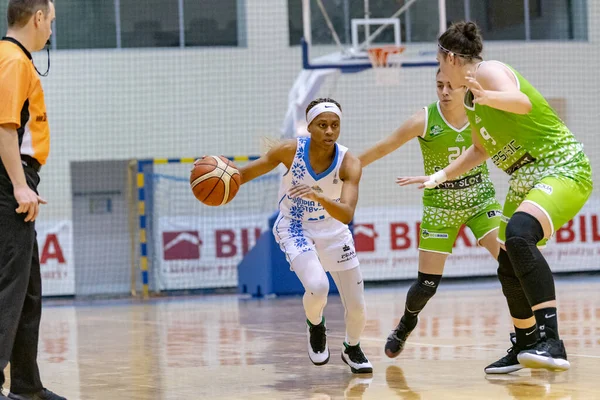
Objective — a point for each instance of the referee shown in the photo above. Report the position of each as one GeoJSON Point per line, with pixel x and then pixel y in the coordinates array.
{"type": "Point", "coordinates": [24, 146]}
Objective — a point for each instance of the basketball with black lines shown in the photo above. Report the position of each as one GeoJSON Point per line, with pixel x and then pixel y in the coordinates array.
{"type": "Point", "coordinates": [215, 180]}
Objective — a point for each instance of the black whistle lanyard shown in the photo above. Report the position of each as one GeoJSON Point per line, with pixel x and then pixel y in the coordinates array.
{"type": "Point", "coordinates": [48, 68]}
{"type": "Point", "coordinates": [28, 54]}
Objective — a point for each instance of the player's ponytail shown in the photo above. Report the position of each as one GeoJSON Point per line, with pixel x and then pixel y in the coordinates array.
{"type": "Point", "coordinates": [268, 142]}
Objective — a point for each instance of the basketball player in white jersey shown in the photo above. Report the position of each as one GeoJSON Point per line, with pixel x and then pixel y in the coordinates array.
{"type": "Point", "coordinates": [317, 199]}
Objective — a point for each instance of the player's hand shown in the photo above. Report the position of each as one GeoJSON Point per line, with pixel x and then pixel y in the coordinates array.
{"type": "Point", "coordinates": [29, 202]}
{"type": "Point", "coordinates": [304, 191]}
{"type": "Point", "coordinates": [411, 180]}
{"type": "Point", "coordinates": [480, 94]}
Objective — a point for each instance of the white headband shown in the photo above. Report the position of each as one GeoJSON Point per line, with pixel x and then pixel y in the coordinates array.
{"type": "Point", "coordinates": [322, 108]}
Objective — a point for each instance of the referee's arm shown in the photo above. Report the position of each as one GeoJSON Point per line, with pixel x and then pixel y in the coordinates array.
{"type": "Point", "coordinates": [10, 154]}
{"type": "Point", "coordinates": [14, 86]}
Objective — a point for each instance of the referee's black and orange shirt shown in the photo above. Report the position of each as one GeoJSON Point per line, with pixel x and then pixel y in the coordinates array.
{"type": "Point", "coordinates": [22, 100]}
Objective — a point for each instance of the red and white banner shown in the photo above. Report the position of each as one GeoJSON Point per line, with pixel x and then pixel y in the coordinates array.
{"type": "Point", "coordinates": [203, 253]}
{"type": "Point", "coordinates": [387, 244]}
{"type": "Point", "coordinates": [387, 241]}
{"type": "Point", "coordinates": [55, 242]}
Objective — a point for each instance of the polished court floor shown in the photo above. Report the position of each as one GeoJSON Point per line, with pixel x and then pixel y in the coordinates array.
{"type": "Point", "coordinates": [226, 347]}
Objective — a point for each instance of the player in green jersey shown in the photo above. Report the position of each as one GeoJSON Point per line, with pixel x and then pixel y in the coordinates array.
{"type": "Point", "coordinates": [443, 132]}
{"type": "Point", "coordinates": [550, 181]}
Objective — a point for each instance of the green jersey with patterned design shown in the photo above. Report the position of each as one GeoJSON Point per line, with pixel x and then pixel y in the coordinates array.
{"type": "Point", "coordinates": [530, 146]}
{"type": "Point", "coordinates": [441, 144]}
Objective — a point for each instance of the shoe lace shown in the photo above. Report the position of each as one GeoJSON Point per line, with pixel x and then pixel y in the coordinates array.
{"type": "Point", "coordinates": [546, 344]}
{"type": "Point", "coordinates": [399, 333]}
{"type": "Point", "coordinates": [514, 349]}
{"type": "Point", "coordinates": [356, 354]}
{"type": "Point", "coordinates": [318, 338]}
{"type": "Point", "coordinates": [512, 352]}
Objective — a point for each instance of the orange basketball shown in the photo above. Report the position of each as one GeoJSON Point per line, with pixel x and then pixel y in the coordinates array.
{"type": "Point", "coordinates": [215, 180]}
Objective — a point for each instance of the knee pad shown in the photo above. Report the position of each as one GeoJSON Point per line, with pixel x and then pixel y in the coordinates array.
{"type": "Point", "coordinates": [428, 282]}
{"type": "Point", "coordinates": [505, 267]}
{"type": "Point", "coordinates": [511, 288]}
{"type": "Point", "coordinates": [422, 290]}
{"type": "Point", "coordinates": [524, 226]}
{"type": "Point", "coordinates": [523, 232]}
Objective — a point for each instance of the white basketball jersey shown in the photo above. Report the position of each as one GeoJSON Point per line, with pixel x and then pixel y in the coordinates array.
{"type": "Point", "coordinates": [327, 183]}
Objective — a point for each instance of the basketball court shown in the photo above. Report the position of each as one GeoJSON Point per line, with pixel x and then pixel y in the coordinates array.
{"type": "Point", "coordinates": [227, 347]}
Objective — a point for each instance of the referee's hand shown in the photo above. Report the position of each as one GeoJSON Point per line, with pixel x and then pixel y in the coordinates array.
{"type": "Point", "coordinates": [29, 202]}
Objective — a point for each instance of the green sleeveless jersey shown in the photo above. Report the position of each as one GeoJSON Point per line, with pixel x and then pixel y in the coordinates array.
{"type": "Point", "coordinates": [531, 146]}
{"type": "Point", "coordinates": [441, 144]}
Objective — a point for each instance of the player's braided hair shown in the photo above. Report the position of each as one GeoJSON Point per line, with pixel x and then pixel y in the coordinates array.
{"type": "Point", "coordinates": [322, 100]}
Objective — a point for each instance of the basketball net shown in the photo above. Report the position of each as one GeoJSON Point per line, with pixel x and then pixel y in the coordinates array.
{"type": "Point", "coordinates": [386, 73]}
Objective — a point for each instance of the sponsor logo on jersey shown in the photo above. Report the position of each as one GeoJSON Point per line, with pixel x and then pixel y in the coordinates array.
{"type": "Point", "coordinates": [494, 213]}
{"type": "Point", "coordinates": [524, 160]}
{"type": "Point", "coordinates": [506, 152]}
{"type": "Point", "coordinates": [435, 130]}
{"type": "Point", "coordinates": [459, 138]}
{"type": "Point", "coordinates": [543, 187]}
{"type": "Point", "coordinates": [317, 189]}
{"type": "Point", "coordinates": [462, 183]}
{"type": "Point", "coordinates": [477, 119]}
{"type": "Point", "coordinates": [425, 234]}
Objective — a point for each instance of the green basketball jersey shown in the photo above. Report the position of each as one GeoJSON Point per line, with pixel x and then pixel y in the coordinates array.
{"type": "Point", "coordinates": [441, 144]}
{"type": "Point", "coordinates": [530, 146]}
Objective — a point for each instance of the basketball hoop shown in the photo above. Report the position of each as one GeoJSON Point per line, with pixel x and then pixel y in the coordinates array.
{"type": "Point", "coordinates": [386, 72]}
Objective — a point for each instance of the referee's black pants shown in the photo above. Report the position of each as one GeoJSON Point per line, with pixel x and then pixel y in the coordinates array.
{"type": "Point", "coordinates": [20, 290]}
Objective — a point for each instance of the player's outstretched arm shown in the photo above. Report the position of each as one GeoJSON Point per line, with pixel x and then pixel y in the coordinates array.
{"type": "Point", "coordinates": [410, 129]}
{"type": "Point", "coordinates": [282, 152]}
{"type": "Point", "coordinates": [494, 87]}
{"type": "Point", "coordinates": [469, 159]}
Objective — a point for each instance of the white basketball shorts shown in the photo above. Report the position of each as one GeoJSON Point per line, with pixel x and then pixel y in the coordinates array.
{"type": "Point", "coordinates": [330, 239]}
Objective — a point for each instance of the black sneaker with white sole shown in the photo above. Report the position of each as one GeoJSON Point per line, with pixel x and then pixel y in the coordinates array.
{"type": "Point", "coordinates": [356, 359]}
{"type": "Point", "coordinates": [318, 352]}
{"type": "Point", "coordinates": [509, 363]}
{"type": "Point", "coordinates": [397, 339]}
{"type": "Point", "coordinates": [549, 354]}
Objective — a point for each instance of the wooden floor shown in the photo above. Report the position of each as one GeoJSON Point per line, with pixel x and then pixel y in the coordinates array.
{"type": "Point", "coordinates": [223, 347]}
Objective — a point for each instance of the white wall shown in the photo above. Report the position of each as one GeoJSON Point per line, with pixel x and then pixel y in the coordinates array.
{"type": "Point", "coordinates": [119, 104]}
